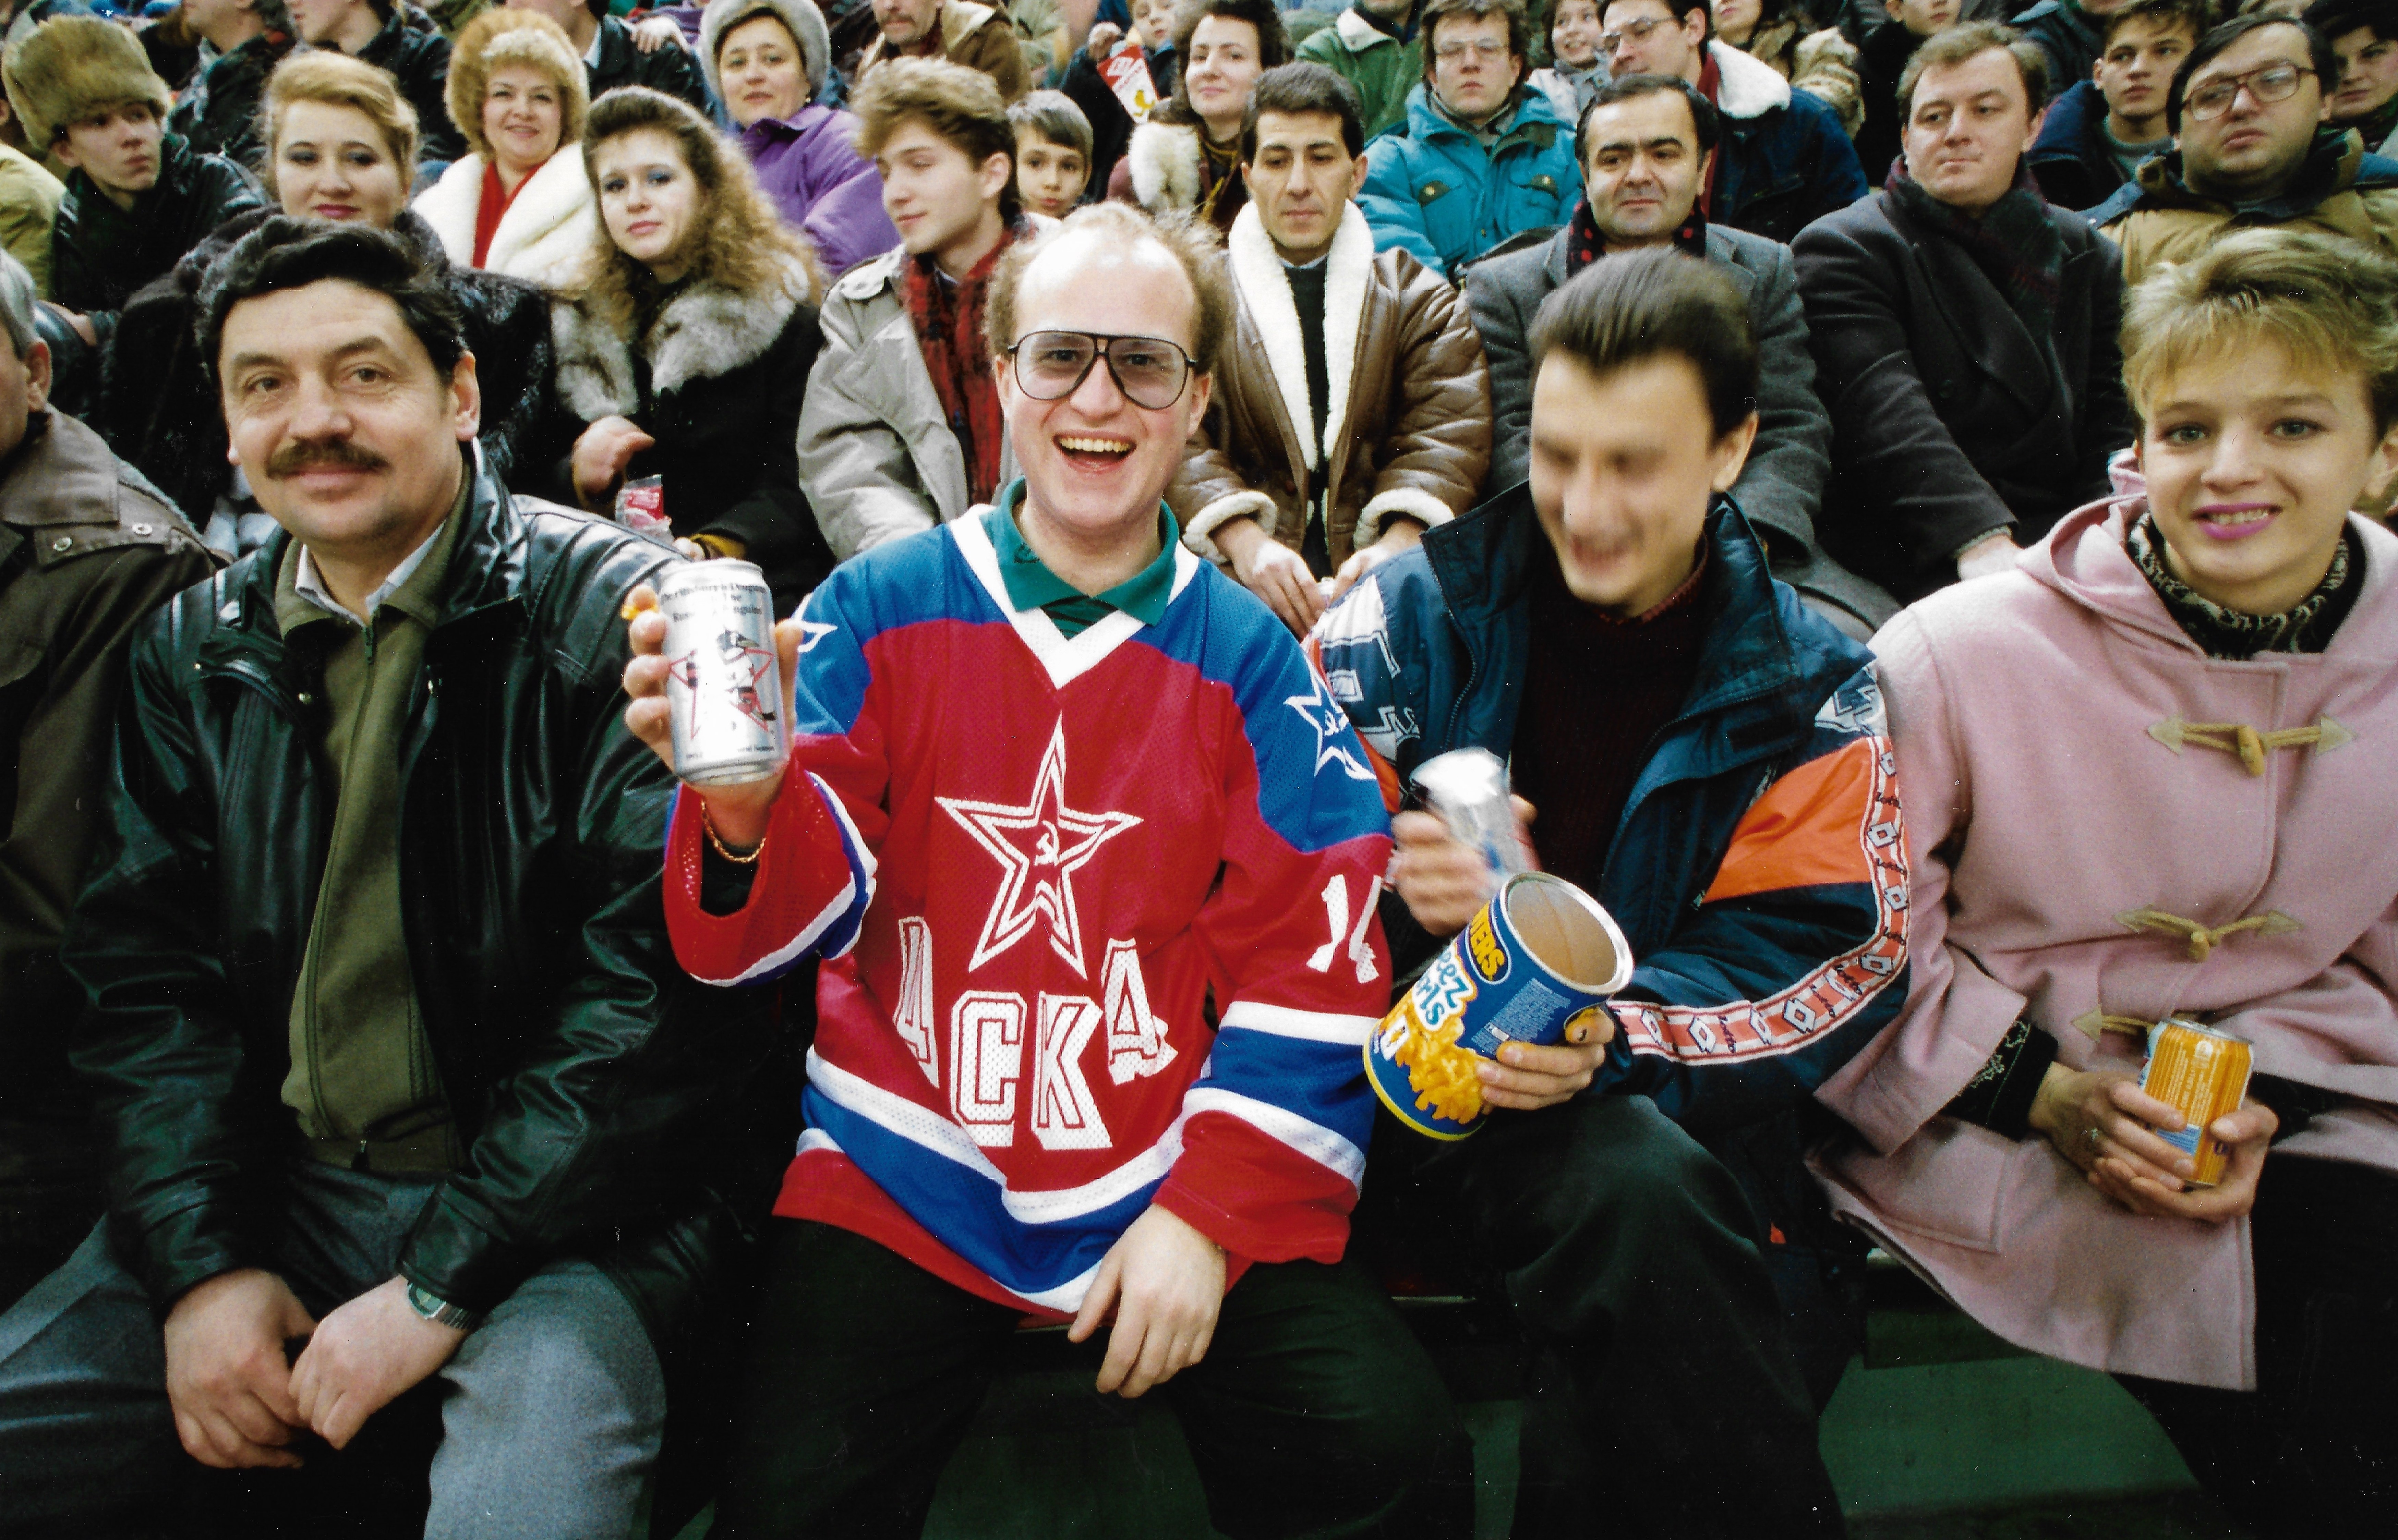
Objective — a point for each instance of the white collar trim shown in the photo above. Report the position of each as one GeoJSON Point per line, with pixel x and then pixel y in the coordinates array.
{"type": "Point", "coordinates": [1065, 658]}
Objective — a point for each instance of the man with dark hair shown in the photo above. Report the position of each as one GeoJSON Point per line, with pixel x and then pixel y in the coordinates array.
{"type": "Point", "coordinates": [1056, 785]}
{"type": "Point", "coordinates": [1646, 144]}
{"type": "Point", "coordinates": [2247, 112]}
{"type": "Point", "coordinates": [2098, 134]}
{"type": "Point", "coordinates": [88, 550]}
{"type": "Point", "coordinates": [2365, 34]}
{"type": "Point", "coordinates": [1784, 159]}
{"type": "Point", "coordinates": [377, 32]}
{"type": "Point", "coordinates": [901, 429]}
{"type": "Point", "coordinates": [1963, 333]}
{"type": "Point", "coordinates": [960, 31]}
{"type": "Point", "coordinates": [1353, 409]}
{"type": "Point", "coordinates": [613, 55]}
{"type": "Point", "coordinates": [137, 197]}
{"type": "Point", "coordinates": [1482, 157]}
{"type": "Point", "coordinates": [1375, 47]}
{"type": "Point", "coordinates": [393, 1063]}
{"type": "Point", "coordinates": [217, 109]}
{"type": "Point", "coordinates": [1707, 759]}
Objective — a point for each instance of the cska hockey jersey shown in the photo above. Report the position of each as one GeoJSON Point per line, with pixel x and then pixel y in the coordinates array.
{"type": "Point", "coordinates": [1031, 863]}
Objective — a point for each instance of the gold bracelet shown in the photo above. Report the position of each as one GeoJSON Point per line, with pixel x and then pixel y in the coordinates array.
{"type": "Point", "coordinates": [707, 828]}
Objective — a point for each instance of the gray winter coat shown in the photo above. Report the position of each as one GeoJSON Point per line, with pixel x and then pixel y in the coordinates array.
{"type": "Point", "coordinates": [1782, 487]}
{"type": "Point", "coordinates": [877, 457]}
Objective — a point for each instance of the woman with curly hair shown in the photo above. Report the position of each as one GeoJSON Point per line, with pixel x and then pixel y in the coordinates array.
{"type": "Point", "coordinates": [518, 203]}
{"type": "Point", "coordinates": [685, 343]}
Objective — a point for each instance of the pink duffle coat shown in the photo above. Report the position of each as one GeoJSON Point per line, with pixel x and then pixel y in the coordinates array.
{"type": "Point", "coordinates": [2050, 791]}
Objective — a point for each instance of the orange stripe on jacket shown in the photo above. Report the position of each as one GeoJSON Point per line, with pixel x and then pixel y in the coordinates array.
{"type": "Point", "coordinates": [1802, 833]}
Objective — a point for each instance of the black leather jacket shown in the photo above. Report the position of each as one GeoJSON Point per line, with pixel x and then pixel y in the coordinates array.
{"type": "Point", "coordinates": [585, 1067]}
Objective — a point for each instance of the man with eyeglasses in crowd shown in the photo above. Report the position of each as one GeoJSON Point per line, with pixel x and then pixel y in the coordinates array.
{"type": "Point", "coordinates": [1479, 158]}
{"type": "Point", "coordinates": [2250, 115]}
{"type": "Point", "coordinates": [1784, 160]}
{"type": "Point", "coordinates": [1061, 783]}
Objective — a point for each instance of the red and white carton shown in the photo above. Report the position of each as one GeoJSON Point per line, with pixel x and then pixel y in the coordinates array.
{"type": "Point", "coordinates": [1127, 73]}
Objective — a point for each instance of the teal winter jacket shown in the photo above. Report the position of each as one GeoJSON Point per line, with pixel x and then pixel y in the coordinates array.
{"type": "Point", "coordinates": [1433, 192]}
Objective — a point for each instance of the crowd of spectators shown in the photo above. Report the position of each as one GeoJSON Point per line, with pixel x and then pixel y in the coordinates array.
{"type": "Point", "coordinates": [1899, 485]}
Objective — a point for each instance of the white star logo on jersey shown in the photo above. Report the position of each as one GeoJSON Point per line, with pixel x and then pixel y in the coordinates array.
{"type": "Point", "coordinates": [1038, 847]}
{"type": "Point", "coordinates": [1331, 725]}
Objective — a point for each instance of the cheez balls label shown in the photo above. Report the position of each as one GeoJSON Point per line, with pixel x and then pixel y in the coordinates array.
{"type": "Point", "coordinates": [1490, 955]}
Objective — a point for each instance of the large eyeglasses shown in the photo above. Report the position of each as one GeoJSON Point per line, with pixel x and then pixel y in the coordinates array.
{"type": "Point", "coordinates": [1151, 371]}
{"type": "Point", "coordinates": [1481, 48]}
{"type": "Point", "coordinates": [2273, 82]}
{"type": "Point", "coordinates": [1634, 31]}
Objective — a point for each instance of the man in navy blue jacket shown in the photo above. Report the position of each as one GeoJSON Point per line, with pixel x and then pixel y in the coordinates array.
{"type": "Point", "coordinates": [1709, 760]}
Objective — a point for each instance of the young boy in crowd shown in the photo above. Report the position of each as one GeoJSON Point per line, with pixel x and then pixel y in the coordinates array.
{"type": "Point", "coordinates": [1053, 153]}
{"type": "Point", "coordinates": [2098, 134]}
{"type": "Point", "coordinates": [1879, 62]}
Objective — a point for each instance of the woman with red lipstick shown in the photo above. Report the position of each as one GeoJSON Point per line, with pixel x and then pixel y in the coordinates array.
{"type": "Point", "coordinates": [684, 348]}
{"type": "Point", "coordinates": [340, 144]}
{"type": "Point", "coordinates": [518, 202]}
{"type": "Point", "coordinates": [2149, 775]}
{"type": "Point", "coordinates": [766, 60]}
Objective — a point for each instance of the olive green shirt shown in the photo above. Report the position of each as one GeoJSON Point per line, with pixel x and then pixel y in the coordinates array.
{"type": "Point", "coordinates": [363, 1081]}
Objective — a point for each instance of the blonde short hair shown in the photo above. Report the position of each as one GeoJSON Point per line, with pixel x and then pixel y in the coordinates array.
{"type": "Point", "coordinates": [501, 37]}
{"type": "Point", "coordinates": [337, 80]}
{"type": "Point", "coordinates": [2331, 303]}
{"type": "Point", "coordinates": [1192, 243]}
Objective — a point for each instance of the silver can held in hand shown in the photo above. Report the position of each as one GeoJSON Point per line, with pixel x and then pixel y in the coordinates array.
{"type": "Point", "coordinates": [730, 719]}
{"type": "Point", "coordinates": [1468, 789]}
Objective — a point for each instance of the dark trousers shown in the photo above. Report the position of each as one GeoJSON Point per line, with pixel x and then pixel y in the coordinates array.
{"type": "Point", "coordinates": [1314, 1413]}
{"type": "Point", "coordinates": [2314, 1450]}
{"type": "Point", "coordinates": [1662, 1398]}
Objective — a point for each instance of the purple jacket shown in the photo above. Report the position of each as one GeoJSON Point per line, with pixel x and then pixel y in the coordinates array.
{"type": "Point", "coordinates": [806, 163]}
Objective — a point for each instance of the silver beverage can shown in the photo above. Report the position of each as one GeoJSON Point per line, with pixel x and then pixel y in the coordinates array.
{"type": "Point", "coordinates": [1468, 788]}
{"type": "Point", "coordinates": [724, 688]}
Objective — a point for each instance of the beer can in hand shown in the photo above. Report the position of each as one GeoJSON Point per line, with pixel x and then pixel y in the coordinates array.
{"type": "Point", "coordinates": [724, 687]}
{"type": "Point", "coordinates": [2202, 1073]}
{"type": "Point", "coordinates": [1468, 789]}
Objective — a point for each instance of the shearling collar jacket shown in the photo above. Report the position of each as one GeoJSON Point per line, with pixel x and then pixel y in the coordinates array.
{"type": "Point", "coordinates": [717, 380]}
{"type": "Point", "coordinates": [1408, 428]}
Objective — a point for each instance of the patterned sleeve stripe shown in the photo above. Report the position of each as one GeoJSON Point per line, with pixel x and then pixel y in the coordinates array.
{"type": "Point", "coordinates": [1315, 1026]}
{"type": "Point", "coordinates": [1826, 998]}
{"type": "Point", "coordinates": [1282, 1125]}
{"type": "Point", "coordinates": [1802, 833]}
{"type": "Point", "coordinates": [726, 949]}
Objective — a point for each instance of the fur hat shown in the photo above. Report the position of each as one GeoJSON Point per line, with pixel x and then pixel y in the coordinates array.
{"type": "Point", "coordinates": [72, 67]}
{"type": "Point", "coordinates": [496, 39]}
{"type": "Point", "coordinates": [800, 17]}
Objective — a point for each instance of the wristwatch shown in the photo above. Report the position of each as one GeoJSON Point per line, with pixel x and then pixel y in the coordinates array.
{"type": "Point", "coordinates": [440, 1311]}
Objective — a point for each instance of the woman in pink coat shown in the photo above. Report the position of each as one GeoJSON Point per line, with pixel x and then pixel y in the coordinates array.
{"type": "Point", "coordinates": [2154, 771]}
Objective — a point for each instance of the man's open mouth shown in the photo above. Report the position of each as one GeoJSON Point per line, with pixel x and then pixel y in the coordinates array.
{"type": "Point", "coordinates": [1088, 449]}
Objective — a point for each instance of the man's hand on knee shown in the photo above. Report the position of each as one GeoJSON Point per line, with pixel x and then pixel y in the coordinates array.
{"type": "Point", "coordinates": [366, 1354]}
{"type": "Point", "coordinates": [228, 1379]}
{"type": "Point", "coordinates": [1166, 1283]}
{"type": "Point", "coordinates": [1528, 1076]}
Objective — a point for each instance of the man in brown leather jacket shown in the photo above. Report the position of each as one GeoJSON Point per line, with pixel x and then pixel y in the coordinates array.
{"type": "Point", "coordinates": [1353, 409]}
{"type": "Point", "coordinates": [88, 550]}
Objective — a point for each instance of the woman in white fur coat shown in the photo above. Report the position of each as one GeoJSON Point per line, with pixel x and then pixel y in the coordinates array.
{"type": "Point", "coordinates": [519, 202]}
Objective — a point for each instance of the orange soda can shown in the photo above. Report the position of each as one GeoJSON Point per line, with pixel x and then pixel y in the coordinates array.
{"type": "Point", "coordinates": [2202, 1073]}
